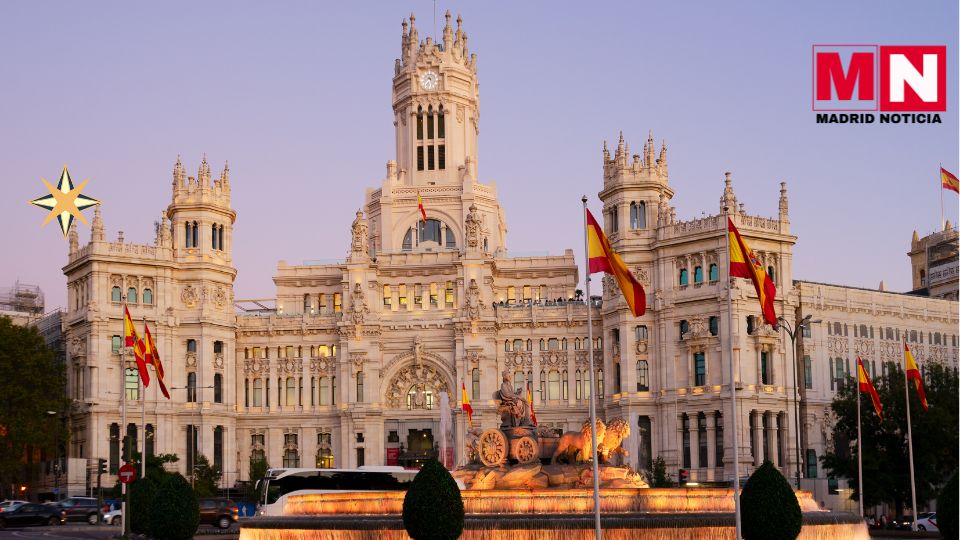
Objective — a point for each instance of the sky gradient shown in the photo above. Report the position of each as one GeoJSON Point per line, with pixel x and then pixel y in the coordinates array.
{"type": "Point", "coordinates": [296, 95]}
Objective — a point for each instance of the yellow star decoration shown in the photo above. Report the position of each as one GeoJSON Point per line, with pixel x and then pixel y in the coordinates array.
{"type": "Point", "coordinates": [65, 201]}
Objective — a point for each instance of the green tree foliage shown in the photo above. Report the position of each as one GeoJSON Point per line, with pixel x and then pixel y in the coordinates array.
{"type": "Point", "coordinates": [32, 382]}
{"type": "Point", "coordinates": [258, 469]}
{"type": "Point", "coordinates": [886, 476]}
{"type": "Point", "coordinates": [175, 513]}
{"type": "Point", "coordinates": [206, 477]}
{"type": "Point", "coordinates": [659, 473]}
{"type": "Point", "coordinates": [947, 509]}
{"type": "Point", "coordinates": [769, 508]}
{"type": "Point", "coordinates": [433, 508]}
{"type": "Point", "coordinates": [142, 494]}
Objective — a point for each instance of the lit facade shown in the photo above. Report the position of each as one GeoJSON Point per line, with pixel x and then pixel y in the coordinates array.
{"type": "Point", "coordinates": [346, 365]}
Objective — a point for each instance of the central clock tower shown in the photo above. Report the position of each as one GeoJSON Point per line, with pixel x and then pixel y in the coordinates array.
{"type": "Point", "coordinates": [436, 101]}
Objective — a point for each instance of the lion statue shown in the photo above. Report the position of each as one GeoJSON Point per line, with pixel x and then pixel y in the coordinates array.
{"type": "Point", "coordinates": [617, 430]}
{"type": "Point", "coordinates": [579, 443]}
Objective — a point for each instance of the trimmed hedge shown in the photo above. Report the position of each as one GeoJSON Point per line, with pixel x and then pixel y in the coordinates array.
{"type": "Point", "coordinates": [142, 493]}
{"type": "Point", "coordinates": [432, 507]}
{"type": "Point", "coordinates": [175, 514]}
{"type": "Point", "coordinates": [768, 506]}
{"type": "Point", "coordinates": [947, 509]}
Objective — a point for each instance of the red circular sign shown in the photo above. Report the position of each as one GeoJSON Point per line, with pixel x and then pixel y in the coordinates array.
{"type": "Point", "coordinates": [127, 473]}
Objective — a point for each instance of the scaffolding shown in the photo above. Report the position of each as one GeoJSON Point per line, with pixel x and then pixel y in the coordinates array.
{"type": "Point", "coordinates": [22, 298]}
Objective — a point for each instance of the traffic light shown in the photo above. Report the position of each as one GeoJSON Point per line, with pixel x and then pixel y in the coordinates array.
{"type": "Point", "coordinates": [101, 466]}
{"type": "Point", "coordinates": [23, 488]}
{"type": "Point", "coordinates": [684, 476]}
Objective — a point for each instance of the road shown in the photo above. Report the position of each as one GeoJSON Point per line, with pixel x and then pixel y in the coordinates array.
{"type": "Point", "coordinates": [74, 531]}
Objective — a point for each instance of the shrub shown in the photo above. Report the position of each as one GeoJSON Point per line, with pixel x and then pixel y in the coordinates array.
{"type": "Point", "coordinates": [433, 508]}
{"type": "Point", "coordinates": [175, 513]}
{"type": "Point", "coordinates": [768, 507]}
{"type": "Point", "coordinates": [947, 509]}
{"type": "Point", "coordinates": [142, 494]}
{"type": "Point", "coordinates": [659, 474]}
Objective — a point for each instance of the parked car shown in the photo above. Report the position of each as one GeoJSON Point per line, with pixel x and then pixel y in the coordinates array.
{"type": "Point", "coordinates": [927, 521]}
{"type": "Point", "coordinates": [6, 506]}
{"type": "Point", "coordinates": [902, 523]}
{"type": "Point", "coordinates": [80, 509]}
{"type": "Point", "coordinates": [31, 514]}
{"type": "Point", "coordinates": [112, 517]}
{"type": "Point", "coordinates": [219, 511]}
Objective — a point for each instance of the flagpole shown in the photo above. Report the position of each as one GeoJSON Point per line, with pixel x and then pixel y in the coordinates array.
{"type": "Point", "coordinates": [859, 445]}
{"type": "Point", "coordinates": [733, 396]}
{"type": "Point", "coordinates": [940, 185]}
{"type": "Point", "coordinates": [124, 522]}
{"type": "Point", "coordinates": [143, 417]}
{"type": "Point", "coordinates": [593, 388]}
{"type": "Point", "coordinates": [913, 484]}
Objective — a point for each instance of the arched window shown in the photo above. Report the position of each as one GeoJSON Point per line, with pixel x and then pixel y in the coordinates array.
{"type": "Point", "coordinates": [616, 378]}
{"type": "Point", "coordinates": [132, 295]}
{"type": "Point", "coordinates": [577, 345]}
{"type": "Point", "coordinates": [684, 328]}
{"type": "Point", "coordinates": [188, 235]}
{"type": "Point", "coordinates": [192, 345]}
{"type": "Point", "coordinates": [599, 384]}
{"type": "Point", "coordinates": [258, 392]}
{"type": "Point", "coordinates": [634, 222]}
{"type": "Point", "coordinates": [564, 386]}
{"type": "Point", "coordinates": [563, 344]}
{"type": "Point", "coordinates": [429, 231]}
{"type": "Point", "coordinates": [771, 273]}
{"type": "Point", "coordinates": [147, 297]}
{"type": "Point", "coordinates": [427, 397]}
{"type": "Point", "coordinates": [714, 272]}
{"type": "Point", "coordinates": [115, 295]}
{"type": "Point", "coordinates": [684, 279]}
{"type": "Point", "coordinates": [451, 239]}
{"type": "Point", "coordinates": [213, 237]}
{"type": "Point", "coordinates": [641, 215]}
{"type": "Point", "coordinates": [543, 384]}
{"type": "Point", "coordinates": [196, 235]}
{"type": "Point", "coordinates": [217, 388]}
{"type": "Point", "coordinates": [529, 344]}
{"type": "Point", "coordinates": [291, 391]}
{"type": "Point", "coordinates": [220, 237]}
{"type": "Point", "coordinates": [579, 385]}
{"type": "Point", "coordinates": [407, 241]}
{"type": "Point", "coordinates": [517, 345]}
{"type": "Point", "coordinates": [506, 346]}
{"type": "Point", "coordinates": [115, 343]}
{"type": "Point", "coordinates": [643, 371]}
{"type": "Point", "coordinates": [359, 386]}
{"type": "Point", "coordinates": [714, 325]}
{"type": "Point", "coordinates": [192, 387]}
{"type": "Point", "coordinates": [475, 383]}
{"type": "Point", "coordinates": [698, 274]}
{"type": "Point", "coordinates": [543, 344]}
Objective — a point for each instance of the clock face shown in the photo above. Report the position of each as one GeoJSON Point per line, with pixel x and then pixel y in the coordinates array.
{"type": "Point", "coordinates": [429, 80]}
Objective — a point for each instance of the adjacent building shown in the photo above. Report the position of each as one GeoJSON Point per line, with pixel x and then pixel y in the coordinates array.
{"type": "Point", "coordinates": [348, 363]}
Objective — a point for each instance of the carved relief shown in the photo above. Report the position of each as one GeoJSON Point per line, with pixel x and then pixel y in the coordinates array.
{"type": "Point", "coordinates": [359, 239]}
{"type": "Point", "coordinates": [218, 360]}
{"type": "Point", "coordinates": [219, 297]}
{"type": "Point", "coordinates": [78, 347]}
{"type": "Point", "coordinates": [557, 359]}
{"type": "Point", "coordinates": [864, 348]}
{"type": "Point", "coordinates": [473, 357]}
{"type": "Point", "coordinates": [642, 275]}
{"type": "Point", "coordinates": [290, 365]}
{"type": "Point", "coordinates": [418, 377]}
{"type": "Point", "coordinates": [837, 345]}
{"type": "Point", "coordinates": [191, 359]}
{"type": "Point", "coordinates": [357, 358]}
{"type": "Point", "coordinates": [256, 366]}
{"type": "Point", "coordinates": [358, 306]}
{"type": "Point", "coordinates": [474, 227]}
{"type": "Point", "coordinates": [519, 359]}
{"type": "Point", "coordinates": [459, 114]}
{"type": "Point", "coordinates": [189, 296]}
{"type": "Point", "coordinates": [323, 365]}
{"type": "Point", "coordinates": [472, 305]}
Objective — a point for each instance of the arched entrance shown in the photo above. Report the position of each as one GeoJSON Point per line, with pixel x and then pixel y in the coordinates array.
{"type": "Point", "coordinates": [412, 423]}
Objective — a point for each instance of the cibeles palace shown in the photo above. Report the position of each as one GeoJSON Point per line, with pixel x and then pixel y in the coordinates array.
{"type": "Point", "coordinates": [346, 365]}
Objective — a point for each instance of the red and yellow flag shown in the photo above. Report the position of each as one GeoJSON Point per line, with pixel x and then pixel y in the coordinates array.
{"type": "Point", "coordinates": [913, 373]}
{"type": "Point", "coordinates": [744, 264]}
{"type": "Point", "coordinates": [602, 258]}
{"type": "Point", "coordinates": [465, 399]}
{"type": "Point", "coordinates": [533, 415]}
{"type": "Point", "coordinates": [423, 213]}
{"type": "Point", "coordinates": [132, 340]}
{"type": "Point", "coordinates": [152, 356]}
{"type": "Point", "coordinates": [949, 181]}
{"type": "Point", "coordinates": [867, 387]}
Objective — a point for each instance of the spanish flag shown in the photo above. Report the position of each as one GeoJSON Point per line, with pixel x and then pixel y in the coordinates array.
{"type": "Point", "coordinates": [533, 415]}
{"type": "Point", "coordinates": [740, 254]}
{"type": "Point", "coordinates": [949, 180]}
{"type": "Point", "coordinates": [913, 372]}
{"type": "Point", "coordinates": [423, 213]}
{"type": "Point", "coordinates": [152, 356]}
{"type": "Point", "coordinates": [132, 340]}
{"type": "Point", "coordinates": [467, 408]}
{"type": "Point", "coordinates": [867, 387]}
{"type": "Point", "coordinates": [602, 258]}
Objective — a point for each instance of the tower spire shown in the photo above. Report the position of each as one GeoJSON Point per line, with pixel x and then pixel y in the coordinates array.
{"type": "Point", "coordinates": [784, 207]}
{"type": "Point", "coordinates": [662, 162]}
{"type": "Point", "coordinates": [649, 151]}
{"type": "Point", "coordinates": [447, 33]}
{"type": "Point", "coordinates": [728, 202]}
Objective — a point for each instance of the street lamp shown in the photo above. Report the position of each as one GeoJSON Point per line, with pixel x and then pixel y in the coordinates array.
{"type": "Point", "coordinates": [56, 456]}
{"type": "Point", "coordinates": [802, 324]}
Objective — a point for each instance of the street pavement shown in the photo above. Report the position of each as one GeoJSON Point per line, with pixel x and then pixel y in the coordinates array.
{"type": "Point", "coordinates": [99, 532]}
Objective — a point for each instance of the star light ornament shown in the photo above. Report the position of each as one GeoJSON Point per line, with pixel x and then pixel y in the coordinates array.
{"type": "Point", "coordinates": [65, 201]}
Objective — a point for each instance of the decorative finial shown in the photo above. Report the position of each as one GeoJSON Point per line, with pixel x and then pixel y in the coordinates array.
{"type": "Point", "coordinates": [96, 228]}
{"type": "Point", "coordinates": [784, 205]}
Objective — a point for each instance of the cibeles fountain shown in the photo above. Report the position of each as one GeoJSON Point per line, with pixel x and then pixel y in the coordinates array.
{"type": "Point", "coordinates": [526, 483]}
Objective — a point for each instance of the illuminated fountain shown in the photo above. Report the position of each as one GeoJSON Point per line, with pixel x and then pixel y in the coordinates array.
{"type": "Point", "coordinates": [511, 495]}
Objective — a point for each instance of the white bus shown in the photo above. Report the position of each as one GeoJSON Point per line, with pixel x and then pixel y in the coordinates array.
{"type": "Point", "coordinates": [278, 484]}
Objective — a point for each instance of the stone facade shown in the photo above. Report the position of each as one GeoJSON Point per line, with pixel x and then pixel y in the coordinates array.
{"type": "Point", "coordinates": [346, 365]}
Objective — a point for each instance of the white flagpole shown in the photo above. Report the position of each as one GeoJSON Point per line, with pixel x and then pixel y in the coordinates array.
{"type": "Point", "coordinates": [859, 445]}
{"type": "Point", "coordinates": [143, 417]}
{"type": "Point", "coordinates": [124, 522]}
{"type": "Point", "coordinates": [733, 398]}
{"type": "Point", "coordinates": [913, 484]}
{"type": "Point", "coordinates": [940, 185]}
{"type": "Point", "coordinates": [593, 388]}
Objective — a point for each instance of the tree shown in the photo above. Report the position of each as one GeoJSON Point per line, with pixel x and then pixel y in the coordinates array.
{"type": "Point", "coordinates": [206, 477]}
{"type": "Point", "coordinates": [175, 513]}
{"type": "Point", "coordinates": [32, 382]}
{"type": "Point", "coordinates": [659, 473]}
{"type": "Point", "coordinates": [768, 507]}
{"type": "Point", "coordinates": [947, 508]}
{"type": "Point", "coordinates": [886, 476]}
{"type": "Point", "coordinates": [432, 507]}
{"type": "Point", "coordinates": [143, 492]}
{"type": "Point", "coordinates": [258, 469]}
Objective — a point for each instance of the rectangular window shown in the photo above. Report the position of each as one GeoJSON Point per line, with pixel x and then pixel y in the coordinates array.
{"type": "Point", "coordinates": [433, 294]}
{"type": "Point", "coordinates": [418, 295]}
{"type": "Point", "coordinates": [132, 384]}
{"type": "Point", "coordinates": [322, 302]}
{"type": "Point", "coordinates": [441, 156]}
{"type": "Point", "coordinates": [527, 293]}
{"type": "Point", "coordinates": [430, 151]}
{"type": "Point", "coordinates": [511, 295]}
{"type": "Point", "coordinates": [811, 463]}
{"type": "Point", "coordinates": [430, 125]}
{"type": "Point", "coordinates": [324, 391]}
{"type": "Point", "coordinates": [191, 447]}
{"type": "Point", "coordinates": [686, 441]}
{"type": "Point", "coordinates": [719, 439]}
{"type": "Point", "coordinates": [360, 457]}
{"type": "Point", "coordinates": [765, 368]}
{"type": "Point", "coordinates": [806, 331]}
{"type": "Point", "coordinates": [218, 447]}
{"type": "Point", "coordinates": [807, 372]}
{"type": "Point", "coordinates": [714, 326]}
{"type": "Point", "coordinates": [115, 344]}
{"type": "Point", "coordinates": [289, 351]}
{"type": "Point", "coordinates": [402, 300]}
{"type": "Point", "coordinates": [448, 295]}
{"type": "Point", "coordinates": [337, 302]}
{"type": "Point", "coordinates": [700, 369]}
{"type": "Point", "coordinates": [419, 158]}
{"type": "Point", "coordinates": [387, 296]}
{"type": "Point", "coordinates": [642, 333]}
{"type": "Point", "coordinates": [702, 440]}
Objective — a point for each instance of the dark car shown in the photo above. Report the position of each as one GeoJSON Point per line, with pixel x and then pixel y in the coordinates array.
{"type": "Point", "coordinates": [31, 514]}
{"type": "Point", "coordinates": [218, 511]}
{"type": "Point", "coordinates": [80, 509]}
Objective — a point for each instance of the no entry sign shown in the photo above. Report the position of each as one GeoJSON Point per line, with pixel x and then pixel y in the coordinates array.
{"type": "Point", "coordinates": [127, 473]}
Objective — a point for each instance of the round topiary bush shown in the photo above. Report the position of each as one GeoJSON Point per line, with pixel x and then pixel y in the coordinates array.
{"type": "Point", "coordinates": [947, 509]}
{"type": "Point", "coordinates": [768, 507]}
{"type": "Point", "coordinates": [433, 508]}
{"type": "Point", "coordinates": [142, 493]}
{"type": "Point", "coordinates": [175, 513]}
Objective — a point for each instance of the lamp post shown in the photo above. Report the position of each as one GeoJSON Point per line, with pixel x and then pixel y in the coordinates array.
{"type": "Point", "coordinates": [793, 331]}
{"type": "Point", "coordinates": [56, 455]}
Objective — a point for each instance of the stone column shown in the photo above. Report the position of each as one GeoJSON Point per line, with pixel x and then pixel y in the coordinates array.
{"type": "Point", "coordinates": [679, 420]}
{"type": "Point", "coordinates": [711, 439]}
{"type": "Point", "coordinates": [757, 426]}
{"type": "Point", "coordinates": [772, 437]}
{"type": "Point", "coordinates": [695, 444]}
